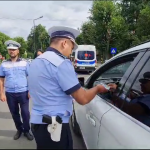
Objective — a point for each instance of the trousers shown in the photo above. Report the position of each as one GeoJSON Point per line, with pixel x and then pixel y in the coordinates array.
{"type": "Point", "coordinates": [44, 141]}
{"type": "Point", "coordinates": [14, 100]}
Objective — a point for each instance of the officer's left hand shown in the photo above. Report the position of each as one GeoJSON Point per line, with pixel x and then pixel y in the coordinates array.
{"type": "Point", "coordinates": [3, 98]}
{"type": "Point", "coordinates": [29, 95]}
{"type": "Point", "coordinates": [101, 89]}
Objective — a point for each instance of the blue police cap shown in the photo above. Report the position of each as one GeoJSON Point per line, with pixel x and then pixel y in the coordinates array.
{"type": "Point", "coordinates": [12, 44]}
{"type": "Point", "coordinates": [61, 31]}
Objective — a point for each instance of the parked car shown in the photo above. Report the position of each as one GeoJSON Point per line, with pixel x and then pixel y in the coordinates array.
{"type": "Point", "coordinates": [101, 123]}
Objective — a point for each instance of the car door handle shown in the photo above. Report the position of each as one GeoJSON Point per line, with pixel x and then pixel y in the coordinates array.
{"type": "Point", "coordinates": [87, 116]}
{"type": "Point", "coordinates": [92, 121]}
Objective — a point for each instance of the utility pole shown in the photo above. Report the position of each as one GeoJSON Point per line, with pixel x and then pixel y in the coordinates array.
{"type": "Point", "coordinates": [34, 30]}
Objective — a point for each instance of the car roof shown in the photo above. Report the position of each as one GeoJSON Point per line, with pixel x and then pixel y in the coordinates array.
{"type": "Point", "coordinates": [85, 47]}
{"type": "Point", "coordinates": [133, 49]}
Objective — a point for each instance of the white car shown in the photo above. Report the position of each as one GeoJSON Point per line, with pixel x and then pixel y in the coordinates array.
{"type": "Point", "coordinates": [101, 122]}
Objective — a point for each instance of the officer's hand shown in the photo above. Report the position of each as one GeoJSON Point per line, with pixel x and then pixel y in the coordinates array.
{"type": "Point", "coordinates": [29, 95]}
{"type": "Point", "coordinates": [101, 89]}
{"type": "Point", "coordinates": [3, 97]}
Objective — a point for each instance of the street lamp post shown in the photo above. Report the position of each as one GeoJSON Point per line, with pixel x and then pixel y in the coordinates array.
{"type": "Point", "coordinates": [34, 30]}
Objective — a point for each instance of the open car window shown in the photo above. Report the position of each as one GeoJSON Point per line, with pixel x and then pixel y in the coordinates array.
{"type": "Point", "coordinates": [113, 74]}
{"type": "Point", "coordinates": [116, 71]}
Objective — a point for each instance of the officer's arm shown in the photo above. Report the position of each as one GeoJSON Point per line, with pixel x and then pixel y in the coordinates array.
{"type": "Point", "coordinates": [27, 73]}
{"type": "Point", "coordinates": [27, 68]}
{"type": "Point", "coordinates": [2, 78]}
{"type": "Point", "coordinates": [85, 96]}
{"type": "Point", "coordinates": [68, 81]}
{"type": "Point", "coordinates": [1, 85]}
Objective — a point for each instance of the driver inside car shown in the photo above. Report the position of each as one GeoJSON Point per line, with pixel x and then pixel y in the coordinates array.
{"type": "Point", "coordinates": [137, 107]}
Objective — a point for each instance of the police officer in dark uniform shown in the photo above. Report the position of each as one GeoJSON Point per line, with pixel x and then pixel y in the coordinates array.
{"type": "Point", "coordinates": [13, 76]}
{"type": "Point", "coordinates": [53, 84]}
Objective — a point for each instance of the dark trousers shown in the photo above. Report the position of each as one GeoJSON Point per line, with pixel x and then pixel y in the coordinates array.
{"type": "Point", "coordinates": [14, 100]}
{"type": "Point", "coordinates": [44, 141]}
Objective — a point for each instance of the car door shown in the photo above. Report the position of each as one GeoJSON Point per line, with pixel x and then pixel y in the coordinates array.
{"type": "Point", "coordinates": [89, 116]}
{"type": "Point", "coordinates": [120, 130]}
{"type": "Point", "coordinates": [89, 121]}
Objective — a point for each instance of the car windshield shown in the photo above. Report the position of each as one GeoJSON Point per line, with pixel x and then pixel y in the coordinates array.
{"type": "Point", "coordinates": [85, 55]}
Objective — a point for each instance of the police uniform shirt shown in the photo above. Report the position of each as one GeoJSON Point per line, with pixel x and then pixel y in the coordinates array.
{"type": "Point", "coordinates": [51, 81]}
{"type": "Point", "coordinates": [15, 74]}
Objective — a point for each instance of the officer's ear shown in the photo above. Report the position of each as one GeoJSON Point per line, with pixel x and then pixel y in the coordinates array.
{"type": "Point", "coordinates": [64, 42]}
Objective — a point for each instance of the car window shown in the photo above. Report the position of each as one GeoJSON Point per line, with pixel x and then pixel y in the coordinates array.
{"type": "Point", "coordinates": [116, 71]}
{"type": "Point", "coordinates": [114, 74]}
{"type": "Point", "coordinates": [137, 94]}
{"type": "Point", "coordinates": [85, 55]}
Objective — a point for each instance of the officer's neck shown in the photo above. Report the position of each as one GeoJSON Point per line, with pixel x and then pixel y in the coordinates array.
{"type": "Point", "coordinates": [57, 48]}
{"type": "Point", "coordinates": [14, 59]}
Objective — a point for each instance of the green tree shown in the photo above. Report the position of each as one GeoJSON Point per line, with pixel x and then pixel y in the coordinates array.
{"type": "Point", "coordinates": [30, 55]}
{"type": "Point", "coordinates": [24, 55]}
{"type": "Point", "coordinates": [110, 26]}
{"type": "Point", "coordinates": [88, 32]}
{"type": "Point", "coordinates": [7, 56]}
{"type": "Point", "coordinates": [144, 17]}
{"type": "Point", "coordinates": [79, 39]}
{"type": "Point", "coordinates": [131, 11]}
{"type": "Point", "coordinates": [3, 39]}
{"type": "Point", "coordinates": [142, 31]}
{"type": "Point", "coordinates": [41, 39]}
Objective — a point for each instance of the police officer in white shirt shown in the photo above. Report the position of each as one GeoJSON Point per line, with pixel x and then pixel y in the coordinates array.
{"type": "Point", "coordinates": [15, 72]}
{"type": "Point", "coordinates": [52, 84]}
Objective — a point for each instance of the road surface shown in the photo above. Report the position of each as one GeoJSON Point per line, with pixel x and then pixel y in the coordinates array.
{"type": "Point", "coordinates": [7, 131]}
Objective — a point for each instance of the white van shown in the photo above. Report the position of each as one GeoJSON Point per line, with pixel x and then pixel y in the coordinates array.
{"type": "Point", "coordinates": [85, 58]}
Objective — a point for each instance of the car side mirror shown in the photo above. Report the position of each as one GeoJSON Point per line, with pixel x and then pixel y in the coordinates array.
{"type": "Point", "coordinates": [81, 80]}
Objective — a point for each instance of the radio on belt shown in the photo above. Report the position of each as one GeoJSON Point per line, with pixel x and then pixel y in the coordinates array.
{"type": "Point", "coordinates": [106, 86]}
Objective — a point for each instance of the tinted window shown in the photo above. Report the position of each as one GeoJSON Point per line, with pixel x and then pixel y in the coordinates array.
{"type": "Point", "coordinates": [112, 75]}
{"type": "Point", "coordinates": [136, 87]}
{"type": "Point", "coordinates": [85, 55]}
{"type": "Point", "coordinates": [135, 96]}
{"type": "Point", "coordinates": [117, 72]}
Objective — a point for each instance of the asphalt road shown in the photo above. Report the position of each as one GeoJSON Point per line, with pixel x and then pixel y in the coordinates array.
{"type": "Point", "coordinates": [7, 131]}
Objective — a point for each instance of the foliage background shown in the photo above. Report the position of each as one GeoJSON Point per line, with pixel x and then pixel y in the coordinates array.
{"type": "Point", "coordinates": [112, 23]}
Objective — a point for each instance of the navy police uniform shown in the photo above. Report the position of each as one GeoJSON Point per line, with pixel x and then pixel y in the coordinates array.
{"type": "Point", "coordinates": [16, 88]}
{"type": "Point", "coordinates": [52, 80]}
